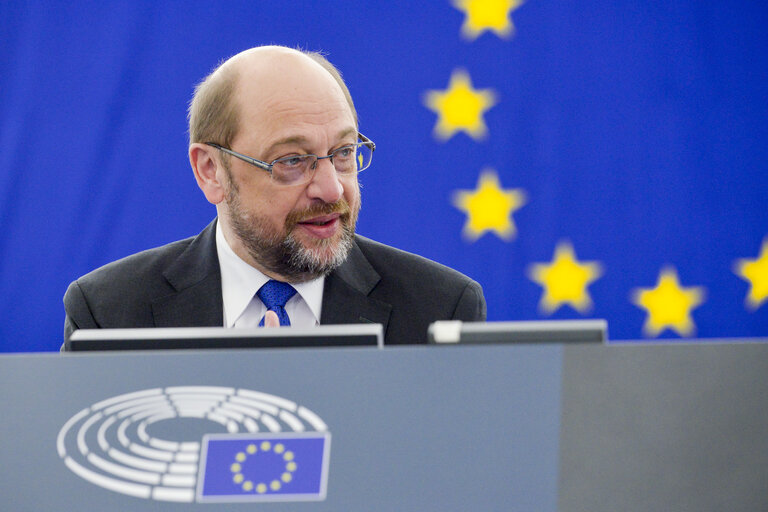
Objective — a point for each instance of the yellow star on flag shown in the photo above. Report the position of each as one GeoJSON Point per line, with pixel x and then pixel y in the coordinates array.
{"type": "Point", "coordinates": [565, 280]}
{"type": "Point", "coordinates": [756, 272]}
{"type": "Point", "coordinates": [460, 107]}
{"type": "Point", "coordinates": [668, 305]}
{"type": "Point", "coordinates": [489, 207]}
{"type": "Point", "coordinates": [482, 15]}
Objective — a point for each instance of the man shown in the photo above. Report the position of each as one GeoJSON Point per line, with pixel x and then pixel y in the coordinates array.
{"type": "Point", "coordinates": [283, 250]}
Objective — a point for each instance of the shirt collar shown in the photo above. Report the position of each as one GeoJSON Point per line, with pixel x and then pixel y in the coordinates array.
{"type": "Point", "coordinates": [240, 282]}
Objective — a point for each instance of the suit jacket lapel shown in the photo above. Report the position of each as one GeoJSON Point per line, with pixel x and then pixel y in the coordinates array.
{"type": "Point", "coordinates": [345, 294]}
{"type": "Point", "coordinates": [196, 276]}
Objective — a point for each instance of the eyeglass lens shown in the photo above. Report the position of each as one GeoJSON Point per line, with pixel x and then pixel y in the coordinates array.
{"type": "Point", "coordinates": [346, 160]}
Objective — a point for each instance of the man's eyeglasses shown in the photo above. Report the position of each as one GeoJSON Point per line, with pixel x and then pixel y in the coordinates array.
{"type": "Point", "coordinates": [300, 169]}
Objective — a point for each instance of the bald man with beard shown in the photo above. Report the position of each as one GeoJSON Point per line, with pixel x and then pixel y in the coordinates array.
{"type": "Point", "coordinates": [275, 146]}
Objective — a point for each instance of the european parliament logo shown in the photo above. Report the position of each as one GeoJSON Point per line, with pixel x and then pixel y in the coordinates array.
{"type": "Point", "coordinates": [199, 443]}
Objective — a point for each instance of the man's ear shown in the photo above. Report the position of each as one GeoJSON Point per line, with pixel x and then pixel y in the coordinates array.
{"type": "Point", "coordinates": [208, 171]}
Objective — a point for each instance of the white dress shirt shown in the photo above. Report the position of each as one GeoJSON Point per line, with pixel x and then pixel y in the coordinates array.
{"type": "Point", "coordinates": [240, 282]}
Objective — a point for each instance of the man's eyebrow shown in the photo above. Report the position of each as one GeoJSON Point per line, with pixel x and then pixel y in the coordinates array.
{"type": "Point", "coordinates": [300, 139]}
{"type": "Point", "coordinates": [346, 133]}
{"type": "Point", "coordinates": [295, 139]}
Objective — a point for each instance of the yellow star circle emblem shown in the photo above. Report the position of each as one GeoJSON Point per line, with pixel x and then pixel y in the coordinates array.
{"type": "Point", "coordinates": [460, 107]}
{"type": "Point", "coordinates": [668, 305]}
{"type": "Point", "coordinates": [482, 15]}
{"type": "Point", "coordinates": [565, 280]}
{"type": "Point", "coordinates": [756, 272]}
{"type": "Point", "coordinates": [489, 207]}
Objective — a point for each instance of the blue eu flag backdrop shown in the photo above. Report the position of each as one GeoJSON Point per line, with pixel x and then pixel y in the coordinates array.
{"type": "Point", "coordinates": [582, 159]}
{"type": "Point", "coordinates": [262, 467]}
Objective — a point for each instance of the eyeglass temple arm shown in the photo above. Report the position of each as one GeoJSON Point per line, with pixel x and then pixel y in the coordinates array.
{"type": "Point", "coordinates": [250, 160]}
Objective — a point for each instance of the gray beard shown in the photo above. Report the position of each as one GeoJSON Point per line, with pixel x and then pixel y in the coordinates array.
{"type": "Point", "coordinates": [281, 253]}
{"type": "Point", "coordinates": [304, 265]}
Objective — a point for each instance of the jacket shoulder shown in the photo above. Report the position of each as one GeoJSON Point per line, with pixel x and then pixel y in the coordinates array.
{"type": "Point", "coordinates": [419, 287]}
{"type": "Point", "coordinates": [134, 271]}
{"type": "Point", "coordinates": [119, 294]}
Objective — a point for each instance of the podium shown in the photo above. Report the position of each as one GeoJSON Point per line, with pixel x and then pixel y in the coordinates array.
{"type": "Point", "coordinates": [428, 428]}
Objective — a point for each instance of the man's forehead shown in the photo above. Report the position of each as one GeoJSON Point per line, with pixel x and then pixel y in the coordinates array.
{"type": "Point", "coordinates": [282, 108]}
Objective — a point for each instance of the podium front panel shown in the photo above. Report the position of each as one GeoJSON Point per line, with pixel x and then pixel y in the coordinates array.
{"type": "Point", "coordinates": [410, 428]}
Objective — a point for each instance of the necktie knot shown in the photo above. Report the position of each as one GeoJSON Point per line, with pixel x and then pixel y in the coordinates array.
{"type": "Point", "coordinates": [274, 295]}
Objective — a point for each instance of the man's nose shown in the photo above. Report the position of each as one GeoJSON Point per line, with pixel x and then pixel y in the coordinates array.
{"type": "Point", "coordinates": [325, 184]}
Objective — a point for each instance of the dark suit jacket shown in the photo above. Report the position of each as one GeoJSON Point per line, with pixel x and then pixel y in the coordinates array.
{"type": "Point", "coordinates": [179, 285]}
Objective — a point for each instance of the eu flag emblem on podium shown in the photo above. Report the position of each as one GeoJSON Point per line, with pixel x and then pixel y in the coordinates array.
{"type": "Point", "coordinates": [285, 466]}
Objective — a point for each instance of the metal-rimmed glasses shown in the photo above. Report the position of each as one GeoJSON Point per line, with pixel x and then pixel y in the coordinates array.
{"type": "Point", "coordinates": [300, 169]}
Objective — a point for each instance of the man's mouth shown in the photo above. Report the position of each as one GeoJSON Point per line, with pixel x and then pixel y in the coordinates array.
{"type": "Point", "coordinates": [322, 226]}
{"type": "Point", "coordinates": [323, 220]}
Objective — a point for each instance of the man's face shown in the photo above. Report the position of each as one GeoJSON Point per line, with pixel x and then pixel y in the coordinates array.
{"type": "Point", "coordinates": [294, 232]}
{"type": "Point", "coordinates": [290, 251]}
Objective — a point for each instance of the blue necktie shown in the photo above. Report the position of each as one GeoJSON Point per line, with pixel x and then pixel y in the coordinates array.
{"type": "Point", "coordinates": [274, 295]}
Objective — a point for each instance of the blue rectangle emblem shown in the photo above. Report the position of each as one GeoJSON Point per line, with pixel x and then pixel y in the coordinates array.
{"type": "Point", "coordinates": [284, 466]}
